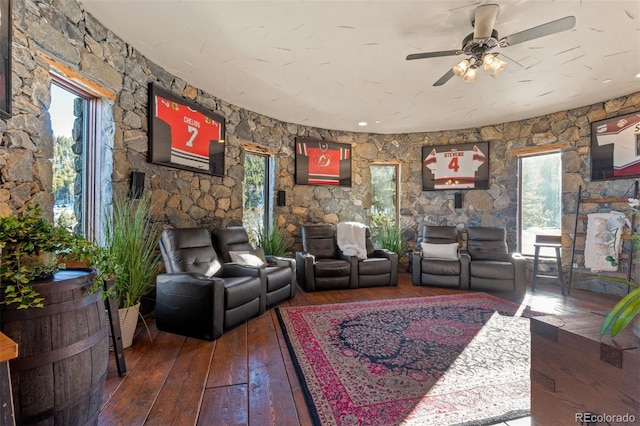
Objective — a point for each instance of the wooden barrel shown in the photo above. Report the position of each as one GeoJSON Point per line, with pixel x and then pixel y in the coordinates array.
{"type": "Point", "coordinates": [59, 376]}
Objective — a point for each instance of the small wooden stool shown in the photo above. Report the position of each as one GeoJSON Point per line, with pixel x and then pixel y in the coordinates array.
{"type": "Point", "coordinates": [553, 241]}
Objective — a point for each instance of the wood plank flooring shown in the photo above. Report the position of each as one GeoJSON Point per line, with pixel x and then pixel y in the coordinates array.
{"type": "Point", "coordinates": [247, 377]}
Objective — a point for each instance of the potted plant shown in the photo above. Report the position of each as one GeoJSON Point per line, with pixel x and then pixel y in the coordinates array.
{"type": "Point", "coordinates": [273, 241]}
{"type": "Point", "coordinates": [33, 249]}
{"type": "Point", "coordinates": [131, 240]}
{"type": "Point", "coordinates": [388, 235]}
{"type": "Point", "coordinates": [47, 310]}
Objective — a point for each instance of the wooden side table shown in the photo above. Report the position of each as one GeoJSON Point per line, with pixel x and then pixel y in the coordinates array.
{"type": "Point", "coordinates": [8, 350]}
{"type": "Point", "coordinates": [576, 374]}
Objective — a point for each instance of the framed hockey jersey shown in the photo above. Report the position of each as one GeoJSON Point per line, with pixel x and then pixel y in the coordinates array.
{"type": "Point", "coordinates": [615, 147]}
{"type": "Point", "coordinates": [184, 135]}
{"type": "Point", "coordinates": [320, 162]}
{"type": "Point", "coordinates": [459, 166]}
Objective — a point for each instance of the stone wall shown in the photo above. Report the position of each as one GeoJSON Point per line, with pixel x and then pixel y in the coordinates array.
{"type": "Point", "coordinates": [59, 31]}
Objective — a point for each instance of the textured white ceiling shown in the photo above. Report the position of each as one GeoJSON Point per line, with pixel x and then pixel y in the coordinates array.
{"type": "Point", "coordinates": [332, 64]}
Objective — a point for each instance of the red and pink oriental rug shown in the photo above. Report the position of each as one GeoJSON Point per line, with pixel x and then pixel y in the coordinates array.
{"type": "Point", "coordinates": [443, 360]}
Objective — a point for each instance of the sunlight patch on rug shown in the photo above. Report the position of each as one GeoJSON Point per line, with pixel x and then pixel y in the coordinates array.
{"type": "Point", "coordinates": [442, 360]}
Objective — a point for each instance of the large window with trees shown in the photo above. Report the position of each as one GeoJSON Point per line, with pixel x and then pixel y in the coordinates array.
{"type": "Point", "coordinates": [540, 199]}
{"type": "Point", "coordinates": [73, 114]}
{"type": "Point", "coordinates": [384, 198]}
{"type": "Point", "coordinates": [256, 190]}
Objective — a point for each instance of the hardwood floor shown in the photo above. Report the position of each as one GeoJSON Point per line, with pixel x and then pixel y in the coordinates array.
{"type": "Point", "coordinates": [246, 377]}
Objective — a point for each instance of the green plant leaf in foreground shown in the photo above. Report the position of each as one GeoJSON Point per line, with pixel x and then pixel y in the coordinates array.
{"type": "Point", "coordinates": [622, 313]}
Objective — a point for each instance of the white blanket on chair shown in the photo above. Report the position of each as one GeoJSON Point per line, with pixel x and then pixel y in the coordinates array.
{"type": "Point", "coordinates": [604, 238]}
{"type": "Point", "coordinates": [352, 239]}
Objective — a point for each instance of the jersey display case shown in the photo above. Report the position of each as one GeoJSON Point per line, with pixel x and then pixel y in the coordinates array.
{"type": "Point", "coordinates": [459, 166]}
{"type": "Point", "coordinates": [320, 162]}
{"type": "Point", "coordinates": [615, 147]}
{"type": "Point", "coordinates": [185, 135]}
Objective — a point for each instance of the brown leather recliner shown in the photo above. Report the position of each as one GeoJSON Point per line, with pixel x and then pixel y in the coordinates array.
{"type": "Point", "coordinates": [492, 267]}
{"type": "Point", "coordinates": [280, 271]}
{"type": "Point", "coordinates": [380, 268]}
{"type": "Point", "coordinates": [199, 296]}
{"type": "Point", "coordinates": [442, 268]}
{"type": "Point", "coordinates": [321, 265]}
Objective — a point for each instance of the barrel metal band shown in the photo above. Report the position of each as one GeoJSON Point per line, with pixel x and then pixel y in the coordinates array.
{"type": "Point", "coordinates": [58, 354]}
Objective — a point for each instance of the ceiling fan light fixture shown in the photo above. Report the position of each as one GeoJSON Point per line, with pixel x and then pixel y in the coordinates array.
{"type": "Point", "coordinates": [470, 75]}
{"type": "Point", "coordinates": [491, 63]}
{"type": "Point", "coordinates": [461, 68]}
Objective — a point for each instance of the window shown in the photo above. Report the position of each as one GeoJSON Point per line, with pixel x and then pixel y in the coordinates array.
{"type": "Point", "coordinates": [384, 198]}
{"type": "Point", "coordinates": [540, 200]}
{"type": "Point", "coordinates": [75, 166]}
{"type": "Point", "coordinates": [256, 190]}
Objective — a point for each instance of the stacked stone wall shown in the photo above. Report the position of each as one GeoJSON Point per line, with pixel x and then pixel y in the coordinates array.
{"type": "Point", "coordinates": [60, 31]}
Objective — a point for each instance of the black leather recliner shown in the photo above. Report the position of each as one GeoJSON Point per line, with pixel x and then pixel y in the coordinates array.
{"type": "Point", "coordinates": [199, 296]}
{"type": "Point", "coordinates": [280, 272]}
{"type": "Point", "coordinates": [321, 265]}
{"type": "Point", "coordinates": [380, 268]}
{"type": "Point", "coordinates": [492, 267]}
{"type": "Point", "coordinates": [449, 269]}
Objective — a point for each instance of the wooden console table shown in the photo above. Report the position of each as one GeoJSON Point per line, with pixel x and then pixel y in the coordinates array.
{"type": "Point", "coordinates": [8, 350]}
{"type": "Point", "coordinates": [575, 372]}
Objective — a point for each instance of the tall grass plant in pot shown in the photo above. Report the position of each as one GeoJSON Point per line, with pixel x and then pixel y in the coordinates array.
{"type": "Point", "coordinates": [273, 241]}
{"type": "Point", "coordinates": [131, 240]}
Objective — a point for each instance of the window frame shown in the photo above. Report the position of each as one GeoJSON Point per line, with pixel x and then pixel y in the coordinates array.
{"type": "Point", "coordinates": [92, 167]}
{"type": "Point", "coordinates": [269, 162]}
{"type": "Point", "coordinates": [397, 167]}
{"type": "Point", "coordinates": [544, 252]}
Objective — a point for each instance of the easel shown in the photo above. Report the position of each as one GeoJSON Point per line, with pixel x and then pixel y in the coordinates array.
{"type": "Point", "coordinates": [111, 305]}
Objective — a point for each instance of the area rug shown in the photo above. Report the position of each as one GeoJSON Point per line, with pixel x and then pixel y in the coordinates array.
{"type": "Point", "coordinates": [442, 360]}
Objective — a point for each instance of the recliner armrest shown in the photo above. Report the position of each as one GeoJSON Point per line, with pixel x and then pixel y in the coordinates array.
{"type": "Point", "coordinates": [176, 295]}
{"type": "Point", "coordinates": [416, 267]}
{"type": "Point", "coordinates": [386, 253]}
{"type": "Point", "coordinates": [520, 268]}
{"type": "Point", "coordinates": [233, 269]}
{"type": "Point", "coordinates": [465, 260]}
{"type": "Point", "coordinates": [187, 278]}
{"type": "Point", "coordinates": [304, 270]}
{"type": "Point", "coordinates": [279, 261]}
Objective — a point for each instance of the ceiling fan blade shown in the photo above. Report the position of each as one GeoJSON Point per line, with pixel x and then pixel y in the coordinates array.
{"type": "Point", "coordinates": [562, 24]}
{"type": "Point", "coordinates": [433, 54]}
{"type": "Point", "coordinates": [484, 21]}
{"type": "Point", "coordinates": [444, 78]}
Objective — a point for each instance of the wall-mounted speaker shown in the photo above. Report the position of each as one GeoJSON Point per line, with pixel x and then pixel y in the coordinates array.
{"type": "Point", "coordinates": [137, 185]}
{"type": "Point", "coordinates": [281, 198]}
{"type": "Point", "coordinates": [457, 200]}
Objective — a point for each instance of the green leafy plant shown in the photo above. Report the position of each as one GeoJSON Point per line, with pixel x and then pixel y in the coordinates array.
{"type": "Point", "coordinates": [624, 311]}
{"type": "Point", "coordinates": [131, 239]}
{"type": "Point", "coordinates": [33, 249]}
{"type": "Point", "coordinates": [272, 241]}
{"type": "Point", "coordinates": [391, 238]}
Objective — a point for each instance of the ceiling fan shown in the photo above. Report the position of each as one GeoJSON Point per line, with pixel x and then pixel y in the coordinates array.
{"type": "Point", "coordinates": [484, 38]}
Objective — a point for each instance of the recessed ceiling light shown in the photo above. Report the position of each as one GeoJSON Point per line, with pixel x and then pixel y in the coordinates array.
{"type": "Point", "coordinates": [362, 123]}
{"type": "Point", "coordinates": [607, 80]}
{"type": "Point", "coordinates": [638, 75]}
